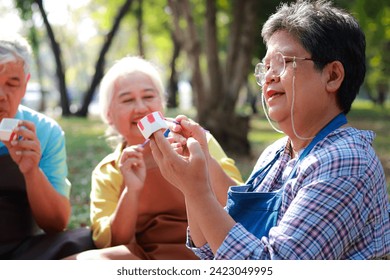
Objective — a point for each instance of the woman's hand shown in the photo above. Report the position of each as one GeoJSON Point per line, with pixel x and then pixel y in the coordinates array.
{"type": "Point", "coordinates": [185, 128]}
{"type": "Point", "coordinates": [132, 166]}
{"type": "Point", "coordinates": [188, 173]}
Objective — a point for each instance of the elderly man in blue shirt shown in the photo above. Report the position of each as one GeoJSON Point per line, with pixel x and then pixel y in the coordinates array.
{"type": "Point", "coordinates": [34, 190]}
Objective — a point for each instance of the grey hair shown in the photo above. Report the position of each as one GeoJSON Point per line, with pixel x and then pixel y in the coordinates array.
{"type": "Point", "coordinates": [329, 34]}
{"type": "Point", "coordinates": [14, 47]}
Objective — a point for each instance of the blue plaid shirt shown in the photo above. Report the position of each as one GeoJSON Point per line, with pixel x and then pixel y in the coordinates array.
{"type": "Point", "coordinates": [335, 208]}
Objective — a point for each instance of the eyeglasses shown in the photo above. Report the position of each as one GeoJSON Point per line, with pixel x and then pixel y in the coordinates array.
{"type": "Point", "coordinates": [277, 65]}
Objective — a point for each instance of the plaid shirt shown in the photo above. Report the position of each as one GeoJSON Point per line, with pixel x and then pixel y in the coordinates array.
{"type": "Point", "coordinates": [335, 208]}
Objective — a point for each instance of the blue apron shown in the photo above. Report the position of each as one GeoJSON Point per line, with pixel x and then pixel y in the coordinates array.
{"type": "Point", "coordinates": [258, 211]}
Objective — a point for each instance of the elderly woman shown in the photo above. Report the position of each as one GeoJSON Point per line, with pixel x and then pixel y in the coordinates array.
{"type": "Point", "coordinates": [319, 192]}
{"type": "Point", "coordinates": [135, 212]}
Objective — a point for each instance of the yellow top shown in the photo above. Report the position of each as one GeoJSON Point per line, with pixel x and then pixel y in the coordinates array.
{"type": "Point", "coordinates": [162, 221]}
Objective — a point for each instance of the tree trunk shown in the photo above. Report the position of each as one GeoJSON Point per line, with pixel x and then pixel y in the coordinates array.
{"type": "Point", "coordinates": [59, 65]}
{"type": "Point", "coordinates": [190, 42]}
{"type": "Point", "coordinates": [140, 23]}
{"type": "Point", "coordinates": [382, 89]}
{"type": "Point", "coordinates": [215, 91]}
{"type": "Point", "coordinates": [36, 46]}
{"type": "Point", "coordinates": [99, 66]}
{"type": "Point", "coordinates": [216, 102]}
{"type": "Point", "coordinates": [173, 79]}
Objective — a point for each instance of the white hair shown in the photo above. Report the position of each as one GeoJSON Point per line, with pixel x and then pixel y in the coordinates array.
{"type": "Point", "coordinates": [13, 47]}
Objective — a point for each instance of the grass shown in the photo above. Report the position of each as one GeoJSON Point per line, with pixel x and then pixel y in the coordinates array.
{"type": "Point", "coordinates": [86, 147]}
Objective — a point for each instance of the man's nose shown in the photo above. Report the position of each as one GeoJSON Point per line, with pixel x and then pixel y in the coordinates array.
{"type": "Point", "coordinates": [2, 94]}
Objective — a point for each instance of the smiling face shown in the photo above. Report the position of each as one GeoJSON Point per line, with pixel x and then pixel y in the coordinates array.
{"type": "Point", "coordinates": [307, 97]}
{"type": "Point", "coordinates": [134, 97]}
{"type": "Point", "coordinates": [13, 83]}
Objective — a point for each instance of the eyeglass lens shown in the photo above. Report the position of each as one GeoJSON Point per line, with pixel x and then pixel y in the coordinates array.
{"type": "Point", "coordinates": [276, 65]}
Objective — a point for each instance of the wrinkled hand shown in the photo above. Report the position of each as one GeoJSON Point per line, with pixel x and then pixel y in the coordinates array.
{"type": "Point", "coordinates": [132, 166]}
{"type": "Point", "coordinates": [26, 149]}
{"type": "Point", "coordinates": [189, 173]}
{"type": "Point", "coordinates": [185, 129]}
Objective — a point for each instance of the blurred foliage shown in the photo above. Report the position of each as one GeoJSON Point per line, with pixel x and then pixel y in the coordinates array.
{"type": "Point", "coordinates": [374, 18]}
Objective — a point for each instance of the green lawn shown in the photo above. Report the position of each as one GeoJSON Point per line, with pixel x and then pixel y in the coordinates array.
{"type": "Point", "coordinates": [86, 147]}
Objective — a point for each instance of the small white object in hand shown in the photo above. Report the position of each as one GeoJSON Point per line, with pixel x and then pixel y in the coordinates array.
{"type": "Point", "coordinates": [151, 123]}
{"type": "Point", "coordinates": [7, 126]}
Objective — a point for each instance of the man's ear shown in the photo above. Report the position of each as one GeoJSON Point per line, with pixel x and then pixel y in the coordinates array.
{"type": "Point", "coordinates": [334, 75]}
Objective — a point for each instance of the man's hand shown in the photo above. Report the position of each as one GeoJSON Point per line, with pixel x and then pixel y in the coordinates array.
{"type": "Point", "coordinates": [25, 150]}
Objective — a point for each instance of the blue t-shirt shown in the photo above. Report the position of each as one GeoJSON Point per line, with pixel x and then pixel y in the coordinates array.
{"type": "Point", "coordinates": [52, 140]}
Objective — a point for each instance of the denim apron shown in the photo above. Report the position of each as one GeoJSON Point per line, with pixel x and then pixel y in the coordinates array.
{"type": "Point", "coordinates": [258, 211]}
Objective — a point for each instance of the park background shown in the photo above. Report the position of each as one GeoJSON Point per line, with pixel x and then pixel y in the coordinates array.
{"type": "Point", "coordinates": [206, 51]}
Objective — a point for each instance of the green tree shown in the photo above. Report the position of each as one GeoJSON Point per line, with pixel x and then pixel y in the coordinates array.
{"type": "Point", "coordinates": [374, 18]}
{"type": "Point", "coordinates": [25, 11]}
{"type": "Point", "coordinates": [100, 63]}
{"type": "Point", "coordinates": [25, 8]}
{"type": "Point", "coordinates": [216, 81]}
